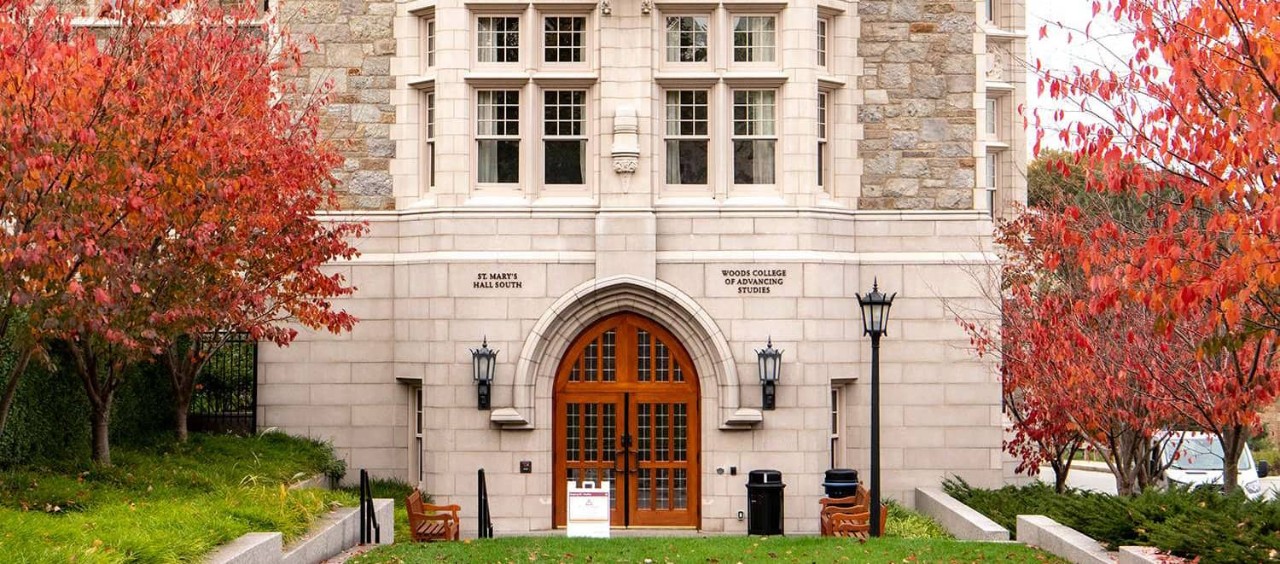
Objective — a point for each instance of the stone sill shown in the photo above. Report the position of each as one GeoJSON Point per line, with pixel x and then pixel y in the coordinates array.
{"type": "Point", "coordinates": [1007, 34]}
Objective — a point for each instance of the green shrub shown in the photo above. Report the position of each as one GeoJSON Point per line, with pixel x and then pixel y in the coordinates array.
{"type": "Point", "coordinates": [904, 523]}
{"type": "Point", "coordinates": [1189, 523]}
{"type": "Point", "coordinates": [49, 420]}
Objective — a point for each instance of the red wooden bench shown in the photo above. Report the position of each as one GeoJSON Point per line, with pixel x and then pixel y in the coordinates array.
{"type": "Point", "coordinates": [429, 523]}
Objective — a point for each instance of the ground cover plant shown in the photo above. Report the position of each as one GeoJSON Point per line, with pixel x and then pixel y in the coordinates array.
{"type": "Point", "coordinates": [705, 549]}
{"type": "Point", "coordinates": [168, 502]}
{"type": "Point", "coordinates": [1191, 523]}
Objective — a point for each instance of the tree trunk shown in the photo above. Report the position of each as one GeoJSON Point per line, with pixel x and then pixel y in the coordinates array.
{"type": "Point", "coordinates": [100, 377]}
{"type": "Point", "coordinates": [11, 387]}
{"type": "Point", "coordinates": [185, 359]}
{"type": "Point", "coordinates": [181, 405]}
{"type": "Point", "coordinates": [1233, 440]}
{"type": "Point", "coordinates": [101, 418]}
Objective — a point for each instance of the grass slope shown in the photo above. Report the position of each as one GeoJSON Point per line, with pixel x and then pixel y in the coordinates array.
{"type": "Point", "coordinates": [165, 503]}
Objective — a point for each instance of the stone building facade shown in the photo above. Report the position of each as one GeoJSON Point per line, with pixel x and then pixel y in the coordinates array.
{"type": "Point", "coordinates": [627, 199]}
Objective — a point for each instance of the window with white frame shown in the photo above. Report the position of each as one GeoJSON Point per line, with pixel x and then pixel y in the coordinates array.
{"type": "Point", "coordinates": [993, 170]}
{"type": "Point", "coordinates": [754, 39]}
{"type": "Point", "coordinates": [498, 136]}
{"type": "Point", "coordinates": [563, 39]}
{"type": "Point", "coordinates": [993, 178]}
{"type": "Point", "coordinates": [823, 24]}
{"type": "Point", "coordinates": [836, 459]}
{"type": "Point", "coordinates": [687, 136]}
{"type": "Point", "coordinates": [993, 117]}
{"type": "Point", "coordinates": [564, 136]}
{"type": "Point", "coordinates": [419, 448]}
{"type": "Point", "coordinates": [429, 139]}
{"type": "Point", "coordinates": [754, 136]}
{"type": "Point", "coordinates": [991, 11]}
{"type": "Point", "coordinates": [822, 138]}
{"type": "Point", "coordinates": [429, 35]}
{"type": "Point", "coordinates": [498, 39]}
{"type": "Point", "coordinates": [687, 38]}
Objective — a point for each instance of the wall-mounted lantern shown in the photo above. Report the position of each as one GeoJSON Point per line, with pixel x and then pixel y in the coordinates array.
{"type": "Point", "coordinates": [483, 362]}
{"type": "Point", "coordinates": [770, 366]}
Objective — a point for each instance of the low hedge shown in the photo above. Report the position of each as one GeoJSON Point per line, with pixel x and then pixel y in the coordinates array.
{"type": "Point", "coordinates": [1188, 523]}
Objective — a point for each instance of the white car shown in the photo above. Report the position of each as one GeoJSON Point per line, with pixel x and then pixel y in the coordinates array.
{"type": "Point", "coordinates": [1195, 459]}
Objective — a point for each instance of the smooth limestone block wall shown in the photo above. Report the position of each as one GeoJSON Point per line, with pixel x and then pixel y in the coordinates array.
{"type": "Point", "coordinates": [423, 310]}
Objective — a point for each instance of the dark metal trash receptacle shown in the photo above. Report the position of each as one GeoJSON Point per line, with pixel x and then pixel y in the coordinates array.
{"type": "Point", "coordinates": [841, 482]}
{"type": "Point", "coordinates": [764, 502]}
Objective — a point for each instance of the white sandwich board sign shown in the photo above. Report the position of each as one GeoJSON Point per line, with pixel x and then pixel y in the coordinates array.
{"type": "Point", "coordinates": [588, 514]}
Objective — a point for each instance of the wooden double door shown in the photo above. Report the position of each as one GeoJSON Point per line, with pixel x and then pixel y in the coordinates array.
{"type": "Point", "coordinates": [626, 413]}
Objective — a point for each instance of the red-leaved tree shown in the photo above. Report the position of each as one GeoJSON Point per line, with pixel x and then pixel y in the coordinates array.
{"type": "Point", "coordinates": [1199, 101]}
{"type": "Point", "coordinates": [193, 212]}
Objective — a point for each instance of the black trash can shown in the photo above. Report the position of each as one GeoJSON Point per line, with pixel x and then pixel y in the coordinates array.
{"type": "Point", "coordinates": [841, 482]}
{"type": "Point", "coordinates": [764, 502]}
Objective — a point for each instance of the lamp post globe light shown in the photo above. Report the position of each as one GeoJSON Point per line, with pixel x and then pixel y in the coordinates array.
{"type": "Point", "coordinates": [770, 367]}
{"type": "Point", "coordinates": [483, 363]}
{"type": "Point", "coordinates": [875, 318]}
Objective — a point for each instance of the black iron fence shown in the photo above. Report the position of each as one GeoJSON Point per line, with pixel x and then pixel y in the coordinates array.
{"type": "Point", "coordinates": [226, 396]}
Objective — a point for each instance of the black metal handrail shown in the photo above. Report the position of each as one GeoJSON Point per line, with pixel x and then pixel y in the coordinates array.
{"type": "Point", "coordinates": [482, 513]}
{"type": "Point", "coordinates": [368, 518]}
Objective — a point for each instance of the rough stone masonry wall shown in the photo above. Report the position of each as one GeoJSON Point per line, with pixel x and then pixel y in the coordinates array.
{"type": "Point", "coordinates": [353, 48]}
{"type": "Point", "coordinates": [919, 119]}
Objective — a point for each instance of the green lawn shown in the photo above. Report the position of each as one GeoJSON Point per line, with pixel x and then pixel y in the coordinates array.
{"type": "Point", "coordinates": [162, 504]}
{"type": "Point", "coordinates": [726, 549]}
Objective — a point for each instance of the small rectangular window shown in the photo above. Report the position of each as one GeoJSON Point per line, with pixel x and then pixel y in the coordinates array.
{"type": "Point", "coordinates": [687, 39]}
{"type": "Point", "coordinates": [420, 451]}
{"type": "Point", "coordinates": [687, 136]}
{"type": "Point", "coordinates": [754, 136]}
{"type": "Point", "coordinates": [564, 138]}
{"type": "Point", "coordinates": [836, 459]}
{"type": "Point", "coordinates": [429, 152]}
{"type": "Point", "coordinates": [822, 138]}
{"type": "Point", "coordinates": [993, 170]}
{"type": "Point", "coordinates": [498, 135]}
{"type": "Point", "coordinates": [993, 108]}
{"type": "Point", "coordinates": [562, 39]}
{"type": "Point", "coordinates": [754, 39]}
{"type": "Point", "coordinates": [498, 39]}
{"type": "Point", "coordinates": [430, 32]}
{"type": "Point", "coordinates": [989, 10]}
{"type": "Point", "coordinates": [822, 42]}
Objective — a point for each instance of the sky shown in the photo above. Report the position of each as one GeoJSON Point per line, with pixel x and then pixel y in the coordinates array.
{"type": "Point", "coordinates": [1067, 46]}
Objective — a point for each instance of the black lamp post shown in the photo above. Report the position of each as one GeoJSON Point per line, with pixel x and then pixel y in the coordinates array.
{"type": "Point", "coordinates": [875, 317]}
{"type": "Point", "coordinates": [770, 366]}
{"type": "Point", "coordinates": [483, 363]}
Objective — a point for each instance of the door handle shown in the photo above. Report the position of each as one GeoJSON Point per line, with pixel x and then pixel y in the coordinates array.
{"type": "Point", "coordinates": [635, 461]}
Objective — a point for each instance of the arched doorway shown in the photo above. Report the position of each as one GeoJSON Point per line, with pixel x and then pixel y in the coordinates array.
{"type": "Point", "coordinates": [626, 412]}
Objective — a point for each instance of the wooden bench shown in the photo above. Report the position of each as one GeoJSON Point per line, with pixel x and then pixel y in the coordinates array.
{"type": "Point", "coordinates": [429, 523]}
{"type": "Point", "coordinates": [849, 516]}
